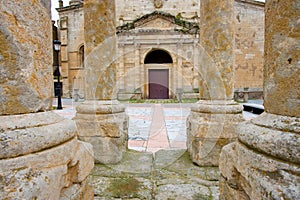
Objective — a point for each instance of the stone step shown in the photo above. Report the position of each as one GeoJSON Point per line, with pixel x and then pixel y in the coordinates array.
{"type": "Point", "coordinates": [167, 174]}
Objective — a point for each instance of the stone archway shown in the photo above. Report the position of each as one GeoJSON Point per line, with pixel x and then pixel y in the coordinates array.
{"type": "Point", "coordinates": [158, 64]}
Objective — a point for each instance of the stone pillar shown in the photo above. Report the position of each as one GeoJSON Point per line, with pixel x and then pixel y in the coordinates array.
{"type": "Point", "coordinates": [137, 66]}
{"type": "Point", "coordinates": [180, 67]}
{"type": "Point", "coordinates": [101, 119]}
{"type": "Point", "coordinates": [265, 162]}
{"type": "Point", "coordinates": [213, 120]}
{"type": "Point", "coordinates": [40, 155]}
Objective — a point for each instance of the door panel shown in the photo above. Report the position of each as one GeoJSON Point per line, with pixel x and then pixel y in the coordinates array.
{"type": "Point", "coordinates": [158, 84]}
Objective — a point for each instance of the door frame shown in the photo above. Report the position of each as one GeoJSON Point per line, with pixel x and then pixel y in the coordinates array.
{"type": "Point", "coordinates": [157, 66]}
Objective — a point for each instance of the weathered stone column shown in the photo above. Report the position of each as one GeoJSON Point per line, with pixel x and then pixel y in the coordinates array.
{"type": "Point", "coordinates": [265, 162]}
{"type": "Point", "coordinates": [40, 155]}
{"type": "Point", "coordinates": [101, 120]}
{"type": "Point", "coordinates": [213, 119]}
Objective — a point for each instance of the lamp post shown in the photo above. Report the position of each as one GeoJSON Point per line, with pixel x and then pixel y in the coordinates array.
{"type": "Point", "coordinates": [57, 45]}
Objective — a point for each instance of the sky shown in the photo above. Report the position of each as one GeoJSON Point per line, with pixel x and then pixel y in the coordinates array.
{"type": "Point", "coordinates": [55, 5]}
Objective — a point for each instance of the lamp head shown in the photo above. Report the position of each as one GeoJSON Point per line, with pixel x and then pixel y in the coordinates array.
{"type": "Point", "coordinates": [57, 45]}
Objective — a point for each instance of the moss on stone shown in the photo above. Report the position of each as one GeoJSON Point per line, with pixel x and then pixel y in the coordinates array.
{"type": "Point", "coordinates": [202, 197]}
{"type": "Point", "coordinates": [125, 187]}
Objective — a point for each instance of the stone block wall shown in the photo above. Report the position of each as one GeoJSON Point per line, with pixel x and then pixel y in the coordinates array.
{"type": "Point", "coordinates": [249, 44]}
{"type": "Point", "coordinates": [249, 35]}
{"type": "Point", "coordinates": [72, 38]}
{"type": "Point", "coordinates": [127, 11]}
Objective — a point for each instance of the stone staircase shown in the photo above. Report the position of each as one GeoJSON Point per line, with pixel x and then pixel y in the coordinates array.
{"type": "Point", "coordinates": [165, 175]}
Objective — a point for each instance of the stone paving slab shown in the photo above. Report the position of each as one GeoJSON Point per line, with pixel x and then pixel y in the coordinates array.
{"type": "Point", "coordinates": [140, 123]}
{"type": "Point", "coordinates": [165, 175]}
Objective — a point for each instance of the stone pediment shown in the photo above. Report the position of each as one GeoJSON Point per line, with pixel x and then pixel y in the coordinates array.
{"type": "Point", "coordinates": [160, 21]}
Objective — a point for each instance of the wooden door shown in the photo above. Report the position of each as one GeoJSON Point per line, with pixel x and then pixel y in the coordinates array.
{"type": "Point", "coordinates": [158, 84]}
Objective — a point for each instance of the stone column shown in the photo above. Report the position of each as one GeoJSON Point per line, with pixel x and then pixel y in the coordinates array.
{"type": "Point", "coordinates": [213, 120]}
{"type": "Point", "coordinates": [40, 155]}
{"type": "Point", "coordinates": [265, 162]}
{"type": "Point", "coordinates": [101, 119]}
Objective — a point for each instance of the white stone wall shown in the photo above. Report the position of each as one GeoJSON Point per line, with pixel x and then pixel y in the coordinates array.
{"type": "Point", "coordinates": [128, 10]}
{"type": "Point", "coordinates": [249, 22]}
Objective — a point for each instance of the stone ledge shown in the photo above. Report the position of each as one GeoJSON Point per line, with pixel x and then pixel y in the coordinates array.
{"type": "Point", "coordinates": [256, 175]}
{"type": "Point", "coordinates": [217, 107]}
{"type": "Point", "coordinates": [12, 122]}
{"type": "Point", "coordinates": [278, 122]}
{"type": "Point", "coordinates": [100, 107]}
{"type": "Point", "coordinates": [260, 135]}
{"type": "Point", "coordinates": [40, 135]}
{"type": "Point", "coordinates": [114, 127]}
{"type": "Point", "coordinates": [49, 158]}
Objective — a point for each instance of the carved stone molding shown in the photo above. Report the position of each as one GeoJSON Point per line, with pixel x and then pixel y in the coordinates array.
{"type": "Point", "coordinates": [158, 3]}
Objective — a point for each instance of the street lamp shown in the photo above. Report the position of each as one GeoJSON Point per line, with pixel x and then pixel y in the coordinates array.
{"type": "Point", "coordinates": [57, 45]}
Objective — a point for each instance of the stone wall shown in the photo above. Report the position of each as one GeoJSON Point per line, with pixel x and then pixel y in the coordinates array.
{"type": "Point", "coordinates": [129, 10]}
{"type": "Point", "coordinates": [183, 72]}
{"type": "Point", "coordinates": [248, 53]}
{"type": "Point", "coordinates": [249, 44]}
{"type": "Point", "coordinates": [72, 38]}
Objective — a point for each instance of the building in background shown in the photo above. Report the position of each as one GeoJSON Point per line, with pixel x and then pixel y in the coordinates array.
{"type": "Point", "coordinates": [158, 48]}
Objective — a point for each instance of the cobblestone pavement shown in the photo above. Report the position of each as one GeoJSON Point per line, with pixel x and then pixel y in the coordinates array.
{"type": "Point", "coordinates": [151, 126]}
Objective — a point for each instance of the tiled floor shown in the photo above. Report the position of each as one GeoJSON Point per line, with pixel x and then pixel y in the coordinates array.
{"type": "Point", "coordinates": [164, 128]}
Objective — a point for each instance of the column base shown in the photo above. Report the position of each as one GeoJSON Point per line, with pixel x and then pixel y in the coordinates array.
{"type": "Point", "coordinates": [265, 161]}
{"type": "Point", "coordinates": [104, 124]}
{"type": "Point", "coordinates": [211, 125]}
{"type": "Point", "coordinates": [41, 157]}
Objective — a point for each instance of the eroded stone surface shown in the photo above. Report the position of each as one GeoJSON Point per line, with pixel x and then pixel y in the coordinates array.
{"type": "Point", "coordinates": [264, 162]}
{"type": "Point", "coordinates": [23, 134]}
{"type": "Point", "coordinates": [100, 49]}
{"type": "Point", "coordinates": [282, 143]}
{"type": "Point", "coordinates": [217, 41]}
{"type": "Point", "coordinates": [252, 175]}
{"type": "Point", "coordinates": [104, 124]}
{"type": "Point", "coordinates": [212, 122]}
{"type": "Point", "coordinates": [26, 57]}
{"type": "Point", "coordinates": [107, 150]}
{"type": "Point", "coordinates": [47, 174]}
{"type": "Point", "coordinates": [169, 175]}
{"type": "Point", "coordinates": [282, 54]}
{"type": "Point", "coordinates": [211, 125]}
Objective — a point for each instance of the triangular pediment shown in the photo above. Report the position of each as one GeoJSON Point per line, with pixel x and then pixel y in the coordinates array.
{"type": "Point", "coordinates": [159, 21]}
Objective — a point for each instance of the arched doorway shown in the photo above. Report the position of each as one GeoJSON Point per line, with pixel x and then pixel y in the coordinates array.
{"type": "Point", "coordinates": [158, 74]}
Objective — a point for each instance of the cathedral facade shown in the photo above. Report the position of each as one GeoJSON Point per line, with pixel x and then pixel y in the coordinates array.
{"type": "Point", "coordinates": [158, 48]}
